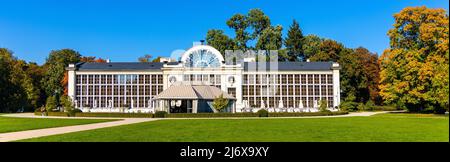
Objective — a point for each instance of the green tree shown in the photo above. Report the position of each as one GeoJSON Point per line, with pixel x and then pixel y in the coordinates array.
{"type": "Point", "coordinates": [258, 21]}
{"type": "Point", "coordinates": [294, 43]}
{"type": "Point", "coordinates": [414, 70]}
{"type": "Point", "coordinates": [220, 41]}
{"type": "Point", "coordinates": [17, 90]}
{"type": "Point", "coordinates": [311, 45]}
{"type": "Point", "coordinates": [220, 103]}
{"type": "Point", "coordinates": [239, 23]}
{"type": "Point", "coordinates": [55, 66]}
{"type": "Point", "coordinates": [270, 39]}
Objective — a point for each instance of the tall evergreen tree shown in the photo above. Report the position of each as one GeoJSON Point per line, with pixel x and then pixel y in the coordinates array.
{"type": "Point", "coordinates": [294, 43]}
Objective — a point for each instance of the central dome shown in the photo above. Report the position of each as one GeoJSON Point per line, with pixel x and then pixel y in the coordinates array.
{"type": "Point", "coordinates": [202, 56]}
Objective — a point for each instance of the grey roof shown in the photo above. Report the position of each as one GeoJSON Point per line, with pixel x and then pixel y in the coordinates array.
{"type": "Point", "coordinates": [156, 66]}
{"type": "Point", "coordinates": [286, 66]}
{"type": "Point", "coordinates": [187, 90]}
{"type": "Point", "coordinates": [120, 66]}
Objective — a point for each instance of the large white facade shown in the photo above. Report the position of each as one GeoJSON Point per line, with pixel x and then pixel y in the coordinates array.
{"type": "Point", "coordinates": [132, 87]}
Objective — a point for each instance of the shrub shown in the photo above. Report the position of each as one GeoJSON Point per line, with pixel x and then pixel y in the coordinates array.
{"type": "Point", "coordinates": [220, 103]}
{"type": "Point", "coordinates": [51, 103]}
{"type": "Point", "coordinates": [66, 102]}
{"type": "Point", "coordinates": [57, 114]}
{"type": "Point", "coordinates": [210, 115]}
{"type": "Point", "coordinates": [263, 113]}
{"type": "Point", "coordinates": [323, 106]}
{"type": "Point", "coordinates": [348, 106]}
{"type": "Point", "coordinates": [287, 114]}
{"type": "Point", "coordinates": [369, 105]}
{"type": "Point", "coordinates": [73, 111]}
{"type": "Point", "coordinates": [160, 114]}
{"type": "Point", "coordinates": [360, 107]}
{"type": "Point", "coordinates": [121, 115]}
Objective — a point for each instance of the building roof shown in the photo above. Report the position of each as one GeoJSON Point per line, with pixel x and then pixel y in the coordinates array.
{"type": "Point", "coordinates": [186, 90]}
{"type": "Point", "coordinates": [156, 66]}
{"type": "Point", "coordinates": [120, 66]}
{"type": "Point", "coordinates": [286, 66]}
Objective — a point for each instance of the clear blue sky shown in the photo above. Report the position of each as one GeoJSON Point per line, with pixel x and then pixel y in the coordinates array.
{"type": "Point", "coordinates": [125, 30]}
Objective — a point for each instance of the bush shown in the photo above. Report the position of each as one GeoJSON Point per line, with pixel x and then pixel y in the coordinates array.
{"type": "Point", "coordinates": [210, 115]}
{"type": "Point", "coordinates": [348, 106]}
{"type": "Point", "coordinates": [323, 106]}
{"type": "Point", "coordinates": [263, 113]}
{"type": "Point", "coordinates": [360, 107]}
{"type": "Point", "coordinates": [117, 115]}
{"type": "Point", "coordinates": [160, 114]}
{"type": "Point", "coordinates": [51, 103]}
{"type": "Point", "coordinates": [287, 114]}
{"type": "Point", "coordinates": [73, 111]}
{"type": "Point", "coordinates": [58, 114]}
{"type": "Point", "coordinates": [369, 105]}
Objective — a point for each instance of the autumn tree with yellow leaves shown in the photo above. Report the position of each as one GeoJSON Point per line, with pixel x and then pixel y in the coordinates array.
{"type": "Point", "coordinates": [415, 69]}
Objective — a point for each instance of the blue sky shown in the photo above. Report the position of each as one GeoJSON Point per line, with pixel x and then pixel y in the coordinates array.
{"type": "Point", "coordinates": [125, 30]}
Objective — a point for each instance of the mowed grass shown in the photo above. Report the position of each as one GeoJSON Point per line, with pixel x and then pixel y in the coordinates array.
{"type": "Point", "coordinates": [11, 124]}
{"type": "Point", "coordinates": [386, 127]}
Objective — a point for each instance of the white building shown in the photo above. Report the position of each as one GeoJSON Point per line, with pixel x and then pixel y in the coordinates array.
{"type": "Point", "coordinates": [190, 84]}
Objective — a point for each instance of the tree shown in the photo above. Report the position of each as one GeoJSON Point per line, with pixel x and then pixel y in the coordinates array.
{"type": "Point", "coordinates": [220, 41]}
{"type": "Point", "coordinates": [220, 103]}
{"type": "Point", "coordinates": [329, 50]}
{"type": "Point", "coordinates": [239, 23]}
{"type": "Point", "coordinates": [92, 59]}
{"type": "Point", "coordinates": [414, 70]}
{"type": "Point", "coordinates": [258, 21]}
{"type": "Point", "coordinates": [55, 66]}
{"type": "Point", "coordinates": [294, 43]}
{"type": "Point", "coordinates": [270, 39]}
{"type": "Point", "coordinates": [145, 58]}
{"type": "Point", "coordinates": [18, 90]}
{"type": "Point", "coordinates": [311, 45]}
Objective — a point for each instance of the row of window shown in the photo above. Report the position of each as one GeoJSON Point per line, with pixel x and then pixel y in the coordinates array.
{"type": "Point", "coordinates": [114, 102]}
{"type": "Point", "coordinates": [144, 90]}
{"type": "Point", "coordinates": [119, 79]}
{"type": "Point", "coordinates": [284, 90]}
{"type": "Point", "coordinates": [288, 102]}
{"type": "Point", "coordinates": [212, 79]}
{"type": "Point", "coordinates": [287, 79]}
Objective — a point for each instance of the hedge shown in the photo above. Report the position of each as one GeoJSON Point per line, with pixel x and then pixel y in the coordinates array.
{"type": "Point", "coordinates": [211, 115]}
{"type": "Point", "coordinates": [52, 113]}
{"type": "Point", "coordinates": [288, 114]}
{"type": "Point", "coordinates": [198, 115]}
{"type": "Point", "coordinates": [122, 115]}
{"type": "Point", "coordinates": [385, 108]}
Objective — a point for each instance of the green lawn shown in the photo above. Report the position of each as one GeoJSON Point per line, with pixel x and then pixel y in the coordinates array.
{"type": "Point", "coordinates": [386, 127]}
{"type": "Point", "coordinates": [10, 124]}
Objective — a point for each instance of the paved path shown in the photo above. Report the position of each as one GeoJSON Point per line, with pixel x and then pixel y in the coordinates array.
{"type": "Point", "coordinates": [13, 136]}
